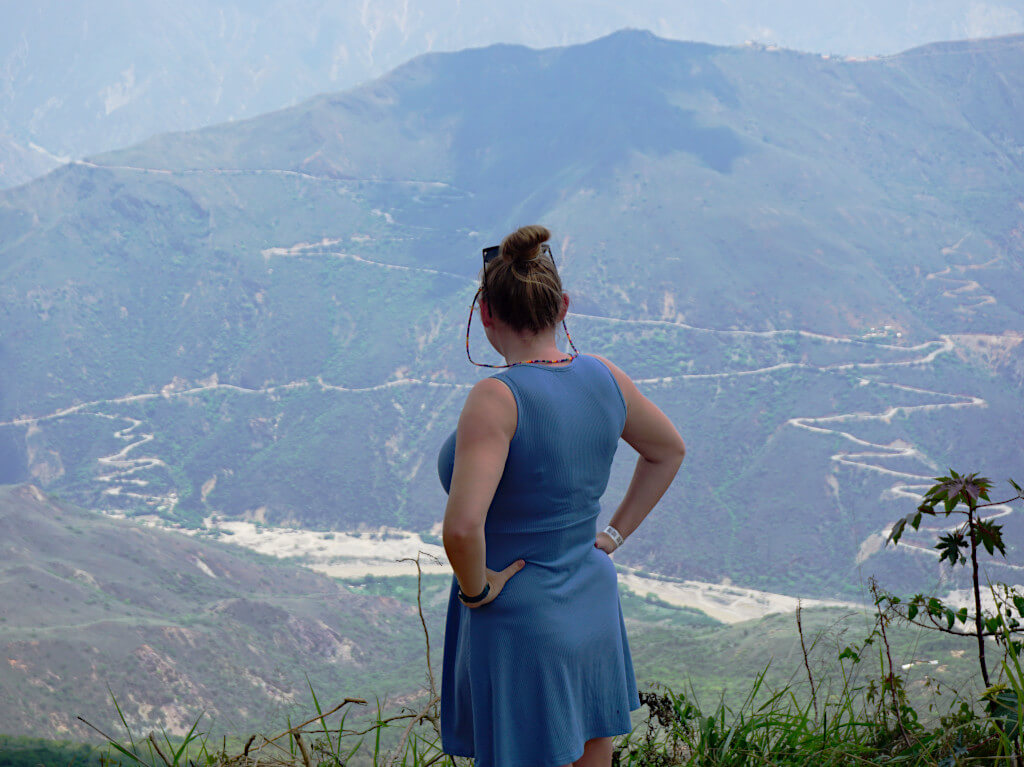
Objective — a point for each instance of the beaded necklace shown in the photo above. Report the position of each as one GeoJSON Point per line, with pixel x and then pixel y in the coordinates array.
{"type": "Point", "coordinates": [570, 358]}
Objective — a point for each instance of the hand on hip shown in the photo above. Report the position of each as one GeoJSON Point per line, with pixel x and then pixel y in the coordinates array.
{"type": "Point", "coordinates": [497, 581]}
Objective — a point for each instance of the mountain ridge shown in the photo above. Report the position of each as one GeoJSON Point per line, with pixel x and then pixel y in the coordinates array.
{"type": "Point", "coordinates": [107, 77]}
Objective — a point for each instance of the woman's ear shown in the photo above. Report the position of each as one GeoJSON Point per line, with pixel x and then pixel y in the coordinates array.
{"type": "Point", "coordinates": [485, 314]}
{"type": "Point", "coordinates": [565, 307]}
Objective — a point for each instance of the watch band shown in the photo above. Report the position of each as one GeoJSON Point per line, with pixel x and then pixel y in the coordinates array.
{"type": "Point", "coordinates": [615, 535]}
{"type": "Point", "coordinates": [478, 598]}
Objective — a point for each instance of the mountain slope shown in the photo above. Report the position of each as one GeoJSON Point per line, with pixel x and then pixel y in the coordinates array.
{"type": "Point", "coordinates": [174, 626]}
{"type": "Point", "coordinates": [813, 265]}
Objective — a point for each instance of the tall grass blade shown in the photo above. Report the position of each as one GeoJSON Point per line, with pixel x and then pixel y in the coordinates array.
{"type": "Point", "coordinates": [114, 744]}
{"type": "Point", "coordinates": [123, 720]}
{"type": "Point", "coordinates": [188, 739]}
{"type": "Point", "coordinates": [320, 715]}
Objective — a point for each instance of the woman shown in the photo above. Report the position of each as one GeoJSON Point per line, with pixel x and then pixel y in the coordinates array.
{"type": "Point", "coordinates": [537, 670]}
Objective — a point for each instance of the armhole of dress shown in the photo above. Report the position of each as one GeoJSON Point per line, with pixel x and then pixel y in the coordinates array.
{"type": "Point", "coordinates": [618, 389]}
{"type": "Point", "coordinates": [515, 395]}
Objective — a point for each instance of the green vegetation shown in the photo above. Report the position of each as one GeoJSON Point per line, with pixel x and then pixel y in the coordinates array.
{"type": "Point", "coordinates": [20, 751]}
{"type": "Point", "coordinates": [80, 610]}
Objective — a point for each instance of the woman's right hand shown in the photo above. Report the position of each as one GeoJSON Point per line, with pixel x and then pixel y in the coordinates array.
{"type": "Point", "coordinates": [497, 581]}
{"type": "Point", "coordinates": [605, 543]}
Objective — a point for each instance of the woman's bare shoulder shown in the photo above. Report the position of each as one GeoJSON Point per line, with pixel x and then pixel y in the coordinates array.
{"type": "Point", "coordinates": [492, 390]}
{"type": "Point", "coordinates": [490, 405]}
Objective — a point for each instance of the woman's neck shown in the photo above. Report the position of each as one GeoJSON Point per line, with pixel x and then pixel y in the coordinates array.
{"type": "Point", "coordinates": [523, 348]}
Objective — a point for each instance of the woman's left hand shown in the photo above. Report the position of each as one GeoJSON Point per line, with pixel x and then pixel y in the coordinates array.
{"type": "Point", "coordinates": [605, 543]}
{"type": "Point", "coordinates": [497, 581]}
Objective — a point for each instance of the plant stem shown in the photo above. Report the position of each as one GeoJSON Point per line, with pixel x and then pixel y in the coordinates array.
{"type": "Point", "coordinates": [897, 713]}
{"type": "Point", "coordinates": [807, 665]}
{"type": "Point", "coordinates": [977, 594]}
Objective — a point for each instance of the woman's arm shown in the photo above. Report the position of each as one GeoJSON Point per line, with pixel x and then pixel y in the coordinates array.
{"type": "Point", "coordinates": [649, 431]}
{"type": "Point", "coordinates": [486, 427]}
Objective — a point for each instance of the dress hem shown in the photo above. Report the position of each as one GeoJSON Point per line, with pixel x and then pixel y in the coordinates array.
{"type": "Point", "coordinates": [557, 761]}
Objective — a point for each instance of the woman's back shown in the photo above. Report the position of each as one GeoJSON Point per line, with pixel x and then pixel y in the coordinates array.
{"type": "Point", "coordinates": [555, 635]}
{"type": "Point", "coordinates": [569, 419]}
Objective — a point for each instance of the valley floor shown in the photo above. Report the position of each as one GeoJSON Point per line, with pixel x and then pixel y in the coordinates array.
{"type": "Point", "coordinates": [386, 553]}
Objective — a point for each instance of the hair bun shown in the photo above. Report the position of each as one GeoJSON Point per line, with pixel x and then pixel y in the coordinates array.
{"type": "Point", "coordinates": [521, 288]}
{"type": "Point", "coordinates": [524, 243]}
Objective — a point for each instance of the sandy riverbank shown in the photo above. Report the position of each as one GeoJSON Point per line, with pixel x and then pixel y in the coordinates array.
{"type": "Point", "coordinates": [353, 555]}
{"type": "Point", "coordinates": [722, 601]}
{"type": "Point", "coordinates": [341, 555]}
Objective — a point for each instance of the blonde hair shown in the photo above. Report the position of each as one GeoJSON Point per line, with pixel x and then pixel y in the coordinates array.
{"type": "Point", "coordinates": [522, 286]}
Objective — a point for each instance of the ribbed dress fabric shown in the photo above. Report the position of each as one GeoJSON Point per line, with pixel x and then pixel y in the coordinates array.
{"type": "Point", "coordinates": [528, 678]}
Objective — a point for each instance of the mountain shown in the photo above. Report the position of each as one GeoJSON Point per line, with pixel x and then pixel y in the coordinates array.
{"type": "Point", "coordinates": [813, 265]}
{"type": "Point", "coordinates": [81, 78]}
{"type": "Point", "coordinates": [174, 626]}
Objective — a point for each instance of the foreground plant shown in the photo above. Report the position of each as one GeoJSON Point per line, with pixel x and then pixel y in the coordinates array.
{"type": "Point", "coordinates": [965, 495]}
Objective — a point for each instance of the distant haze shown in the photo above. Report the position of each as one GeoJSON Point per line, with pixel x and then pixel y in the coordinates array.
{"type": "Point", "coordinates": [80, 78]}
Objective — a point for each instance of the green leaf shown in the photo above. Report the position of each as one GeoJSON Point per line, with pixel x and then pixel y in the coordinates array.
{"type": "Point", "coordinates": [849, 652]}
{"type": "Point", "coordinates": [911, 612]}
{"type": "Point", "coordinates": [992, 536]}
{"type": "Point", "coordinates": [986, 541]}
{"type": "Point", "coordinates": [1018, 602]}
{"type": "Point", "coordinates": [1016, 487]}
{"type": "Point", "coordinates": [1003, 705]}
{"type": "Point", "coordinates": [897, 531]}
{"type": "Point", "coordinates": [949, 546]}
{"type": "Point", "coordinates": [950, 618]}
{"type": "Point", "coordinates": [962, 615]}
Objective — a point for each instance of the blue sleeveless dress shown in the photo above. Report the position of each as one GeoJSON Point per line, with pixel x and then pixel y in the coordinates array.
{"type": "Point", "coordinates": [530, 677]}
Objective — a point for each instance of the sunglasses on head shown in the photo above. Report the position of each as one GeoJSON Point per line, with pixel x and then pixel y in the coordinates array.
{"type": "Point", "coordinates": [492, 252]}
{"type": "Point", "coordinates": [489, 254]}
